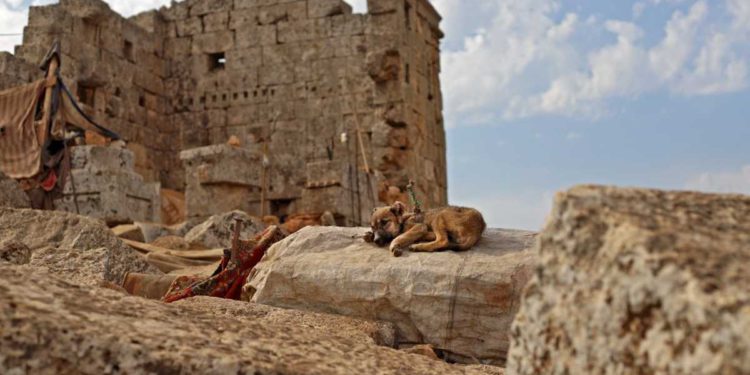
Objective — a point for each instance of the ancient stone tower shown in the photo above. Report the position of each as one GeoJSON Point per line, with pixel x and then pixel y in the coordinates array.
{"type": "Point", "coordinates": [294, 80]}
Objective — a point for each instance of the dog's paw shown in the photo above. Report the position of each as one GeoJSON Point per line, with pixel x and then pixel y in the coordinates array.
{"type": "Point", "coordinates": [397, 251]}
{"type": "Point", "coordinates": [369, 237]}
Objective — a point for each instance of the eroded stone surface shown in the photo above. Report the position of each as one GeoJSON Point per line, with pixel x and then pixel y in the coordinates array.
{"type": "Point", "coordinates": [50, 326]}
{"type": "Point", "coordinates": [638, 282]}
{"type": "Point", "coordinates": [216, 232]}
{"type": "Point", "coordinates": [11, 194]}
{"type": "Point", "coordinates": [103, 184]}
{"type": "Point", "coordinates": [61, 230]}
{"type": "Point", "coordinates": [461, 303]}
{"type": "Point", "coordinates": [14, 252]}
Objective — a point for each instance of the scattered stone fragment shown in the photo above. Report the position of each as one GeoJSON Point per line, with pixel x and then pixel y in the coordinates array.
{"type": "Point", "coordinates": [172, 243]}
{"type": "Point", "coordinates": [423, 350]}
{"type": "Point", "coordinates": [14, 253]}
{"type": "Point", "coordinates": [129, 232]}
{"type": "Point", "coordinates": [61, 230]}
{"type": "Point", "coordinates": [74, 265]}
{"type": "Point", "coordinates": [11, 195]}
{"type": "Point", "coordinates": [216, 232]}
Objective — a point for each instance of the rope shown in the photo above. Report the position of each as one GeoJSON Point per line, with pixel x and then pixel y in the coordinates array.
{"type": "Point", "coordinates": [413, 198]}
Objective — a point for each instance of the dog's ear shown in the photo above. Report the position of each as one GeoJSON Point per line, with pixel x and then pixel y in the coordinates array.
{"type": "Point", "coordinates": [398, 209]}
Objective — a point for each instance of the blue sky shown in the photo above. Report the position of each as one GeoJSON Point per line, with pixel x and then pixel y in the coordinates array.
{"type": "Point", "coordinates": [541, 95]}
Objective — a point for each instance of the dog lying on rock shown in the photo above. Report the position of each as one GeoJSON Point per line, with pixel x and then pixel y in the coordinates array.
{"type": "Point", "coordinates": [447, 228]}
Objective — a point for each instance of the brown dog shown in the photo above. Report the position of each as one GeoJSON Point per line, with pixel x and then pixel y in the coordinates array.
{"type": "Point", "coordinates": [447, 228]}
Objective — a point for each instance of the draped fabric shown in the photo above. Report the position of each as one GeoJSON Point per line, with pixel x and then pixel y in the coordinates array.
{"type": "Point", "coordinates": [229, 279]}
{"type": "Point", "coordinates": [21, 141]}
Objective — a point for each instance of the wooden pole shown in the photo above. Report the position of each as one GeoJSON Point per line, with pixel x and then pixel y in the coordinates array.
{"type": "Point", "coordinates": [236, 239]}
{"type": "Point", "coordinates": [264, 181]}
{"type": "Point", "coordinates": [359, 136]}
{"type": "Point", "coordinates": [266, 163]}
{"type": "Point", "coordinates": [48, 93]}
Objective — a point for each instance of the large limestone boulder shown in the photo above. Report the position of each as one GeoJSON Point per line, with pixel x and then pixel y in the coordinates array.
{"type": "Point", "coordinates": [216, 232]}
{"type": "Point", "coordinates": [51, 326]}
{"type": "Point", "coordinates": [461, 303]}
{"type": "Point", "coordinates": [638, 282]}
{"type": "Point", "coordinates": [46, 232]}
{"type": "Point", "coordinates": [11, 195]}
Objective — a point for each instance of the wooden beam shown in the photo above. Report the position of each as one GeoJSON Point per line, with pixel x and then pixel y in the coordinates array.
{"type": "Point", "coordinates": [186, 254]}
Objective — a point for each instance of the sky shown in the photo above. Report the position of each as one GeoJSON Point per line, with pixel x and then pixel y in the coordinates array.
{"type": "Point", "coordinates": [541, 95]}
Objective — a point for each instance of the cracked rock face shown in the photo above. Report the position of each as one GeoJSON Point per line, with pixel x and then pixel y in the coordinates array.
{"type": "Point", "coordinates": [462, 303]}
{"type": "Point", "coordinates": [216, 232]}
{"type": "Point", "coordinates": [76, 246]}
{"type": "Point", "coordinates": [11, 194]}
{"type": "Point", "coordinates": [14, 253]}
{"type": "Point", "coordinates": [51, 326]}
{"type": "Point", "coordinates": [638, 282]}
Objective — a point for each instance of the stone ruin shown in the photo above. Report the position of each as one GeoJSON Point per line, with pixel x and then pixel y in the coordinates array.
{"type": "Point", "coordinates": [291, 80]}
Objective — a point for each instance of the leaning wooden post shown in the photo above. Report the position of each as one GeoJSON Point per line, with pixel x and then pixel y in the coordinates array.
{"type": "Point", "coordinates": [236, 239]}
{"type": "Point", "coordinates": [52, 63]}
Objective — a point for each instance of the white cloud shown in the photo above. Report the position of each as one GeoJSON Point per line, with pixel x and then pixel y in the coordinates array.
{"type": "Point", "coordinates": [359, 6]}
{"type": "Point", "coordinates": [490, 68]}
{"type": "Point", "coordinates": [669, 57]}
{"type": "Point", "coordinates": [740, 11]}
{"type": "Point", "coordinates": [717, 70]}
{"type": "Point", "coordinates": [527, 59]}
{"type": "Point", "coordinates": [513, 211]}
{"type": "Point", "coordinates": [572, 136]}
{"type": "Point", "coordinates": [12, 21]}
{"type": "Point", "coordinates": [722, 182]}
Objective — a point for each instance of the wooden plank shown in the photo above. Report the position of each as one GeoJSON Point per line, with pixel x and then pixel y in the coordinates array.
{"type": "Point", "coordinates": [168, 263]}
{"type": "Point", "coordinates": [187, 254]}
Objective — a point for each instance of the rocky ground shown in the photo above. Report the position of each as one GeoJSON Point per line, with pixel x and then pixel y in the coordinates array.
{"type": "Point", "coordinates": [621, 281]}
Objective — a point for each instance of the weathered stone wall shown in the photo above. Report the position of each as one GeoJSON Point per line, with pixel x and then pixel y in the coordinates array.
{"type": "Point", "coordinates": [287, 77]}
{"type": "Point", "coordinates": [15, 72]}
{"type": "Point", "coordinates": [117, 70]}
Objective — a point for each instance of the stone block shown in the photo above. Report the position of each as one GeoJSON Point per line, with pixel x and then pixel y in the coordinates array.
{"type": "Point", "coordinates": [637, 281]}
{"type": "Point", "coordinates": [335, 199]}
{"type": "Point", "coordinates": [276, 74]}
{"type": "Point", "coordinates": [304, 30]}
{"type": "Point", "coordinates": [189, 27]}
{"type": "Point", "coordinates": [218, 21]}
{"type": "Point", "coordinates": [101, 159]}
{"type": "Point", "coordinates": [287, 12]}
{"type": "Point", "coordinates": [254, 36]}
{"type": "Point", "coordinates": [384, 6]}
{"type": "Point", "coordinates": [243, 59]}
{"type": "Point", "coordinates": [202, 7]}
{"type": "Point", "coordinates": [328, 8]}
{"type": "Point", "coordinates": [348, 24]}
{"type": "Point", "coordinates": [11, 194]}
{"type": "Point", "coordinates": [216, 232]}
{"type": "Point", "coordinates": [455, 301]}
{"type": "Point", "coordinates": [243, 19]}
{"type": "Point", "coordinates": [113, 196]}
{"type": "Point", "coordinates": [220, 41]}
{"type": "Point", "coordinates": [91, 254]}
{"type": "Point", "coordinates": [222, 164]}
{"type": "Point", "coordinates": [329, 173]}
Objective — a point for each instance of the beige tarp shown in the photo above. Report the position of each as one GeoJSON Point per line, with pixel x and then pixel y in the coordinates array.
{"type": "Point", "coordinates": [21, 140]}
{"type": "Point", "coordinates": [20, 143]}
